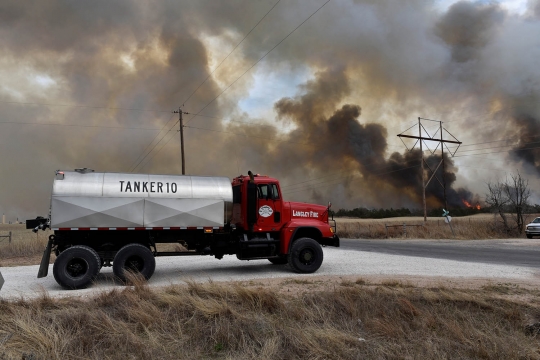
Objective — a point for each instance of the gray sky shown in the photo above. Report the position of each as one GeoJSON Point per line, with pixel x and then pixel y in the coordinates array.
{"type": "Point", "coordinates": [321, 111]}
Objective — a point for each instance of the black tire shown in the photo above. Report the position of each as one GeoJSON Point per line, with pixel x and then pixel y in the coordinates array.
{"type": "Point", "coordinates": [135, 258]}
{"type": "Point", "coordinates": [76, 267]}
{"type": "Point", "coordinates": [306, 256]}
{"type": "Point", "coordinates": [529, 236]}
{"type": "Point", "coordinates": [278, 260]}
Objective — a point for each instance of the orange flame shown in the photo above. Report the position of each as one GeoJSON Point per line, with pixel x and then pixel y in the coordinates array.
{"type": "Point", "coordinates": [468, 204]}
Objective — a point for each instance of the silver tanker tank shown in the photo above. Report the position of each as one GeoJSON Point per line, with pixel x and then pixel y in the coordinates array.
{"type": "Point", "coordinates": [115, 200]}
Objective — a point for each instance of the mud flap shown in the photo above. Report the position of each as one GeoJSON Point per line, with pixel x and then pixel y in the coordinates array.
{"type": "Point", "coordinates": [44, 265]}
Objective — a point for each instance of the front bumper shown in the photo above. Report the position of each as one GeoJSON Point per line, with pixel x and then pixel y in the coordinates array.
{"type": "Point", "coordinates": [331, 241]}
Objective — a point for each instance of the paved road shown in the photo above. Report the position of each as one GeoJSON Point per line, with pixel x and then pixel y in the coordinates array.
{"type": "Point", "coordinates": [515, 252]}
{"type": "Point", "coordinates": [509, 260]}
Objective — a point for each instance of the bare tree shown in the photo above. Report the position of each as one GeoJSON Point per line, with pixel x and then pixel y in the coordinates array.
{"type": "Point", "coordinates": [510, 199]}
{"type": "Point", "coordinates": [497, 200]}
{"type": "Point", "coordinates": [517, 192]}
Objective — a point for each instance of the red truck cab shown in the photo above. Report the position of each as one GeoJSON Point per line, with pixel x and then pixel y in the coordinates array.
{"type": "Point", "coordinates": [259, 210]}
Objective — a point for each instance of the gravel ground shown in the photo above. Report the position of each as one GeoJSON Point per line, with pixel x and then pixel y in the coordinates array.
{"type": "Point", "coordinates": [22, 282]}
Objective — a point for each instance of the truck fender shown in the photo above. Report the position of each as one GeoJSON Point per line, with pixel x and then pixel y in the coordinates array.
{"type": "Point", "coordinates": [287, 242]}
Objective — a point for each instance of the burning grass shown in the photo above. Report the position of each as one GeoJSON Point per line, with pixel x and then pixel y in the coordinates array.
{"type": "Point", "coordinates": [354, 320]}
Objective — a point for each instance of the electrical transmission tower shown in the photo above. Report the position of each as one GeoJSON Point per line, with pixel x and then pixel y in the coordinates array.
{"type": "Point", "coordinates": [423, 136]}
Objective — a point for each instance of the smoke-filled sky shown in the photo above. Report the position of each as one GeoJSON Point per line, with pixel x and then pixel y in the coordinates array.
{"type": "Point", "coordinates": [91, 84]}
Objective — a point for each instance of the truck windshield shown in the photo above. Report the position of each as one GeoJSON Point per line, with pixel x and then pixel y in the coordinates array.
{"type": "Point", "coordinates": [268, 191]}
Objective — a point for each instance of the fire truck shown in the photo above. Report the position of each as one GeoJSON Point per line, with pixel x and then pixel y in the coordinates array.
{"type": "Point", "coordinates": [115, 219]}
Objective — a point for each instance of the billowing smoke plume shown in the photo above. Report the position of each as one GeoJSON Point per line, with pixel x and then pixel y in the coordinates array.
{"type": "Point", "coordinates": [360, 72]}
{"type": "Point", "coordinates": [359, 148]}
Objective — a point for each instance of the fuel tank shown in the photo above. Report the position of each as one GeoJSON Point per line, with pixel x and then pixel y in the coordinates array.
{"type": "Point", "coordinates": [116, 200]}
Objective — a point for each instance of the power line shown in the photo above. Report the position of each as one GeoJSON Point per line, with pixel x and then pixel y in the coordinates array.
{"type": "Point", "coordinates": [483, 168]}
{"type": "Point", "coordinates": [505, 139]}
{"type": "Point", "coordinates": [499, 147]}
{"type": "Point", "coordinates": [226, 57]}
{"type": "Point", "coordinates": [135, 167]}
{"type": "Point", "coordinates": [309, 185]}
{"type": "Point", "coordinates": [249, 136]}
{"type": "Point", "coordinates": [497, 152]}
{"type": "Point", "coordinates": [367, 164]}
{"type": "Point", "coordinates": [253, 65]}
{"type": "Point", "coordinates": [379, 174]}
{"type": "Point", "coordinates": [220, 65]}
{"type": "Point", "coordinates": [241, 122]}
{"type": "Point", "coordinates": [312, 179]}
{"type": "Point", "coordinates": [254, 136]}
{"type": "Point", "coordinates": [151, 142]}
{"type": "Point", "coordinates": [77, 125]}
{"type": "Point", "coordinates": [81, 106]}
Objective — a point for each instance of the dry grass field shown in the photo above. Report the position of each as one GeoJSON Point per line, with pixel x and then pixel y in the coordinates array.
{"type": "Point", "coordinates": [480, 226]}
{"type": "Point", "coordinates": [287, 319]}
{"type": "Point", "coordinates": [352, 320]}
{"type": "Point", "coordinates": [25, 248]}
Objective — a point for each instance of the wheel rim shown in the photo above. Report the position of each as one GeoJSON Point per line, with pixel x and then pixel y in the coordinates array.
{"type": "Point", "coordinates": [307, 256]}
{"type": "Point", "coordinates": [134, 264]}
{"type": "Point", "coordinates": [77, 267]}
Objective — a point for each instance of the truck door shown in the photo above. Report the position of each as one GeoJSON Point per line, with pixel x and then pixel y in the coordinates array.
{"type": "Point", "coordinates": [269, 207]}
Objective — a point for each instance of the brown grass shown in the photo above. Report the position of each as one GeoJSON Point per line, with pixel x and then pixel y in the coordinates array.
{"type": "Point", "coordinates": [25, 248]}
{"type": "Point", "coordinates": [355, 320]}
{"type": "Point", "coordinates": [482, 226]}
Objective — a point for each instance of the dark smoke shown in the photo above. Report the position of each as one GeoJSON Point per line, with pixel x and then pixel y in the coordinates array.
{"type": "Point", "coordinates": [361, 148]}
{"type": "Point", "coordinates": [373, 68]}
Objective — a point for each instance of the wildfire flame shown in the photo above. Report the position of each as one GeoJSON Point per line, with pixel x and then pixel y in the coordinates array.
{"type": "Point", "coordinates": [468, 204]}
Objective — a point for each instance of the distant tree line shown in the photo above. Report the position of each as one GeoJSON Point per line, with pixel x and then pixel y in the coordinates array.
{"type": "Point", "coordinates": [509, 198]}
{"type": "Point", "coordinates": [365, 213]}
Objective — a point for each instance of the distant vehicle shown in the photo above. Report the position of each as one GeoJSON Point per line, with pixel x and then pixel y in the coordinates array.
{"type": "Point", "coordinates": [533, 229]}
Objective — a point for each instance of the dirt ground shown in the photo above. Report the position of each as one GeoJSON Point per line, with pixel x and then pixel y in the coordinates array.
{"type": "Point", "coordinates": [523, 291]}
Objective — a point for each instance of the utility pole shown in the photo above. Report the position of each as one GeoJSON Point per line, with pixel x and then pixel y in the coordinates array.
{"type": "Point", "coordinates": [181, 123]}
{"type": "Point", "coordinates": [442, 143]}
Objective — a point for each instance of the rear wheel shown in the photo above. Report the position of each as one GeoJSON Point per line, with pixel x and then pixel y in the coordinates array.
{"type": "Point", "coordinates": [76, 267]}
{"type": "Point", "coordinates": [306, 255]}
{"type": "Point", "coordinates": [134, 258]}
{"type": "Point", "coordinates": [278, 260]}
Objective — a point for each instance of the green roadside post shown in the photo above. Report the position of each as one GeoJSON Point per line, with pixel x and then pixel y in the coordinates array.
{"type": "Point", "coordinates": [448, 220]}
{"type": "Point", "coordinates": [1, 281]}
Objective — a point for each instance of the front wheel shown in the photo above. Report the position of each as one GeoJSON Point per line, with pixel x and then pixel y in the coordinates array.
{"type": "Point", "coordinates": [76, 267]}
{"type": "Point", "coordinates": [134, 258]}
{"type": "Point", "coordinates": [529, 236]}
{"type": "Point", "coordinates": [306, 256]}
